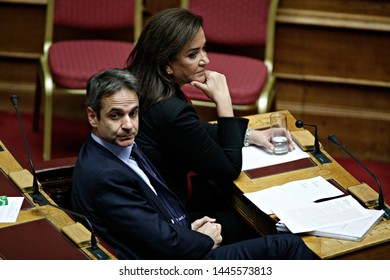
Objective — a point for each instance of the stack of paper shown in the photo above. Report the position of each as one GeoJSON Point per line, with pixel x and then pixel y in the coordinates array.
{"type": "Point", "coordinates": [293, 194]}
{"type": "Point", "coordinates": [354, 231]}
{"type": "Point", "coordinates": [296, 205]}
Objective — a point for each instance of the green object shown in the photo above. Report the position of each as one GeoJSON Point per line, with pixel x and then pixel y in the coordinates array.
{"type": "Point", "coordinates": [3, 200]}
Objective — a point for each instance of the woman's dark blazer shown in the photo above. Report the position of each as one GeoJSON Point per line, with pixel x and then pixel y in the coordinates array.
{"type": "Point", "coordinates": [176, 141]}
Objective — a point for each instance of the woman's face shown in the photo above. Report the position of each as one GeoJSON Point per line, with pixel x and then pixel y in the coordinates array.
{"type": "Point", "coordinates": [190, 63]}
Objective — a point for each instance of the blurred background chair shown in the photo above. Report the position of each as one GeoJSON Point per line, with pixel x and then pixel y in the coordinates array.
{"type": "Point", "coordinates": [95, 35]}
{"type": "Point", "coordinates": [240, 45]}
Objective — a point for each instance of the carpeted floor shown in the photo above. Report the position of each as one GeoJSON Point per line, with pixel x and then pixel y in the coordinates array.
{"type": "Point", "coordinates": [68, 136]}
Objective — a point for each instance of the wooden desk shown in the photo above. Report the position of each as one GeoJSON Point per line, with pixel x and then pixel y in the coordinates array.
{"type": "Point", "coordinates": [376, 245]}
{"type": "Point", "coordinates": [52, 227]}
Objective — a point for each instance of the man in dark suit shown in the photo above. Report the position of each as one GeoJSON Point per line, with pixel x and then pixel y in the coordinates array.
{"type": "Point", "coordinates": [127, 201]}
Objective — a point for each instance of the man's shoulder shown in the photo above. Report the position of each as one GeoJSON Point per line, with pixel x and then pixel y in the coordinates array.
{"type": "Point", "coordinates": [94, 154]}
{"type": "Point", "coordinates": [97, 163]}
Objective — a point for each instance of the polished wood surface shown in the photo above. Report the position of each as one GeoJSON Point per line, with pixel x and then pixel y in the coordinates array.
{"type": "Point", "coordinates": [375, 245]}
{"type": "Point", "coordinates": [22, 179]}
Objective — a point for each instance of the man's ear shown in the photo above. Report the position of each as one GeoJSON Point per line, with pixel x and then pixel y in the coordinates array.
{"type": "Point", "coordinates": [92, 117]}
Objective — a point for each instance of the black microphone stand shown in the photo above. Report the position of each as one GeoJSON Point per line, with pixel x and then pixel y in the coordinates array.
{"type": "Point", "coordinates": [381, 201]}
{"type": "Point", "coordinates": [94, 249]}
{"type": "Point", "coordinates": [320, 156]}
{"type": "Point", "coordinates": [35, 194]}
{"type": "Point", "coordinates": [41, 199]}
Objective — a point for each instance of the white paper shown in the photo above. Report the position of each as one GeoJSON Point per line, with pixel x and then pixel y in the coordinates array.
{"type": "Point", "coordinates": [256, 157]}
{"type": "Point", "coordinates": [321, 215]}
{"type": "Point", "coordinates": [293, 194]}
{"type": "Point", "coordinates": [354, 230]}
{"type": "Point", "coordinates": [9, 213]}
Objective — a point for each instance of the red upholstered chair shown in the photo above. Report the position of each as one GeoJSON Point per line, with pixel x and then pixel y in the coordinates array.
{"type": "Point", "coordinates": [239, 25]}
{"type": "Point", "coordinates": [67, 64]}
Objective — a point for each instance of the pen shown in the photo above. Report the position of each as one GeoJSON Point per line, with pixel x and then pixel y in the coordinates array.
{"type": "Point", "coordinates": [330, 198]}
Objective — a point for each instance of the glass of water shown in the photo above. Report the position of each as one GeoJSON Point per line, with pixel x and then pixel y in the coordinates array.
{"type": "Point", "coordinates": [279, 139]}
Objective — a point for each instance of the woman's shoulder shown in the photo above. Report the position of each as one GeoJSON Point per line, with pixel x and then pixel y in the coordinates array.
{"type": "Point", "coordinates": [171, 109]}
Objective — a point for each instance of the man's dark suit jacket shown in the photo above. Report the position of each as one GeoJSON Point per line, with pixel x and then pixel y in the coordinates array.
{"type": "Point", "coordinates": [126, 213]}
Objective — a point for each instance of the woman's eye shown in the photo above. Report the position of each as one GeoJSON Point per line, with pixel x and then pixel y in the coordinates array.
{"type": "Point", "coordinates": [192, 55]}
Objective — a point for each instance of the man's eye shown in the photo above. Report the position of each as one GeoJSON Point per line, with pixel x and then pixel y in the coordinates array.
{"type": "Point", "coordinates": [134, 114]}
{"type": "Point", "coordinates": [114, 116]}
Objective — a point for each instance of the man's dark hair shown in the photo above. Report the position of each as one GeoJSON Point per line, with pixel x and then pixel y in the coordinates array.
{"type": "Point", "coordinates": [107, 83]}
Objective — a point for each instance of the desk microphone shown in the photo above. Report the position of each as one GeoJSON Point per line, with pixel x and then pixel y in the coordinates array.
{"type": "Point", "coordinates": [41, 200]}
{"type": "Point", "coordinates": [317, 151]}
{"type": "Point", "coordinates": [381, 202]}
{"type": "Point", "coordinates": [94, 249]}
{"type": "Point", "coordinates": [35, 194]}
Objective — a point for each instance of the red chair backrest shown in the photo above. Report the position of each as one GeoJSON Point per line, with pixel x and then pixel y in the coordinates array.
{"type": "Point", "coordinates": [233, 22]}
{"type": "Point", "coordinates": [94, 14]}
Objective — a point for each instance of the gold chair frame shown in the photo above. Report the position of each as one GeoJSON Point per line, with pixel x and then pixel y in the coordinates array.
{"type": "Point", "coordinates": [45, 77]}
{"type": "Point", "coordinates": [267, 95]}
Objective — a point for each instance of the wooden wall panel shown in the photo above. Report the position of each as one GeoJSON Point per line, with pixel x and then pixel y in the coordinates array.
{"type": "Point", "coordinates": [363, 7]}
{"type": "Point", "coordinates": [357, 115]}
{"type": "Point", "coordinates": [21, 42]}
{"type": "Point", "coordinates": [21, 27]}
{"type": "Point", "coordinates": [332, 62]}
{"type": "Point", "coordinates": [342, 97]}
{"type": "Point", "coordinates": [315, 51]}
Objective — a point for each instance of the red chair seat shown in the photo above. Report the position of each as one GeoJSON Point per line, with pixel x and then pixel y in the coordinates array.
{"type": "Point", "coordinates": [245, 77]}
{"type": "Point", "coordinates": [72, 63]}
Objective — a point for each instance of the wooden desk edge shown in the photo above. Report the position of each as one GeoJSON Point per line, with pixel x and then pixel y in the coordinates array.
{"type": "Point", "coordinates": [57, 217]}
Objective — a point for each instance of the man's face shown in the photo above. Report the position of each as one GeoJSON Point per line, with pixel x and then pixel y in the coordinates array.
{"type": "Point", "coordinates": [118, 122]}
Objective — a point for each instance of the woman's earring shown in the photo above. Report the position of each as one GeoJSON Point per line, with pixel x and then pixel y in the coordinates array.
{"type": "Point", "coordinates": [169, 72]}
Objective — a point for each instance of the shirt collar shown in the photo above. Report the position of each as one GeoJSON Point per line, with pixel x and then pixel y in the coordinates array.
{"type": "Point", "coordinates": [121, 152]}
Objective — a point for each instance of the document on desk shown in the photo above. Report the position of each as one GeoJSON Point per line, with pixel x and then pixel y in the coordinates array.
{"type": "Point", "coordinates": [256, 157]}
{"type": "Point", "coordinates": [330, 213]}
{"type": "Point", "coordinates": [9, 213]}
{"type": "Point", "coordinates": [354, 231]}
{"type": "Point", "coordinates": [293, 194]}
